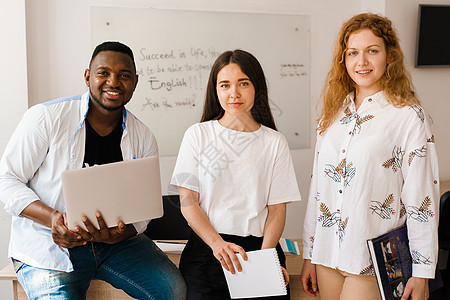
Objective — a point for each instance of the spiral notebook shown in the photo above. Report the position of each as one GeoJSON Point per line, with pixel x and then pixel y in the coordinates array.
{"type": "Point", "coordinates": [261, 276]}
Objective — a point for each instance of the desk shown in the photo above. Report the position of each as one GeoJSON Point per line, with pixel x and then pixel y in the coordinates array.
{"type": "Point", "coordinates": [103, 290]}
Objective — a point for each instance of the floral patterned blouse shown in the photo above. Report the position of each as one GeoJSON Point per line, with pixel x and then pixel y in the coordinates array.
{"type": "Point", "coordinates": [374, 169]}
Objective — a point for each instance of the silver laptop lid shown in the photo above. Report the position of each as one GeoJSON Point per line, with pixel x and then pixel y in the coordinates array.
{"type": "Point", "coordinates": [129, 191]}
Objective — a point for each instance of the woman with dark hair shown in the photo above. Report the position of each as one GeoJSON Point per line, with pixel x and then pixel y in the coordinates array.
{"type": "Point", "coordinates": [235, 176]}
{"type": "Point", "coordinates": [249, 65]}
{"type": "Point", "coordinates": [375, 168]}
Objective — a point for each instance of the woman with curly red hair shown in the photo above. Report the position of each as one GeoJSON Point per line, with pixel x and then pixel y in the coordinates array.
{"type": "Point", "coordinates": [375, 167]}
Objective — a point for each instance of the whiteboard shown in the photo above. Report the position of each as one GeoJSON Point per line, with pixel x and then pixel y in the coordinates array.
{"type": "Point", "coordinates": [174, 51]}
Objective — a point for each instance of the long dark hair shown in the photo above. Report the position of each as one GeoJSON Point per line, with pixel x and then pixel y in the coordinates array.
{"type": "Point", "coordinates": [251, 67]}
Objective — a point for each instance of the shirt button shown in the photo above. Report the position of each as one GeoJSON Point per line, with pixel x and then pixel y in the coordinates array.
{"type": "Point", "coordinates": [370, 100]}
{"type": "Point", "coordinates": [340, 191]}
{"type": "Point", "coordinates": [435, 182]}
{"type": "Point", "coordinates": [350, 132]}
{"type": "Point", "coordinates": [343, 150]}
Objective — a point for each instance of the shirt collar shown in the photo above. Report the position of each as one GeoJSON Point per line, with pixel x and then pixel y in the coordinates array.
{"type": "Point", "coordinates": [379, 98]}
{"type": "Point", "coordinates": [85, 107]}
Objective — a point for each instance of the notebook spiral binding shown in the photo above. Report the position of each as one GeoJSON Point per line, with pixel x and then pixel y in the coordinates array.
{"type": "Point", "coordinates": [261, 276]}
{"type": "Point", "coordinates": [280, 271]}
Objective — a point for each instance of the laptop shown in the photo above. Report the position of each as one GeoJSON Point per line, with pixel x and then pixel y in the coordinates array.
{"type": "Point", "coordinates": [171, 226]}
{"type": "Point", "coordinates": [128, 191]}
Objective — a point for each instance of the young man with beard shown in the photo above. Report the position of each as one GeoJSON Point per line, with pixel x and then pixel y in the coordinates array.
{"type": "Point", "coordinates": [52, 261]}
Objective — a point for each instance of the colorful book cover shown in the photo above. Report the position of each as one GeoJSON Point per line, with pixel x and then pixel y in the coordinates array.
{"type": "Point", "coordinates": [392, 263]}
{"type": "Point", "coordinates": [289, 246]}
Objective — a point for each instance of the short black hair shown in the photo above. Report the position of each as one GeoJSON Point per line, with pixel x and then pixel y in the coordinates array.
{"type": "Point", "coordinates": [113, 46]}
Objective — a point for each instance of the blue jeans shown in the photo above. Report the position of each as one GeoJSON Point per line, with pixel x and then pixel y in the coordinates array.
{"type": "Point", "coordinates": [136, 266]}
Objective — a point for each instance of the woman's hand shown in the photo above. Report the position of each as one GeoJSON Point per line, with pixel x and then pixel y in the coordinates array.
{"type": "Point", "coordinates": [285, 275]}
{"type": "Point", "coordinates": [309, 278]}
{"type": "Point", "coordinates": [225, 253]}
{"type": "Point", "coordinates": [416, 288]}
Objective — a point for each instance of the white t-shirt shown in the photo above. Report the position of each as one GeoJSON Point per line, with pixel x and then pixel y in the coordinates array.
{"type": "Point", "coordinates": [237, 174]}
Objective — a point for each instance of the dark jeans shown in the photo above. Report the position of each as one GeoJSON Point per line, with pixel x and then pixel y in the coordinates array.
{"type": "Point", "coordinates": [135, 266]}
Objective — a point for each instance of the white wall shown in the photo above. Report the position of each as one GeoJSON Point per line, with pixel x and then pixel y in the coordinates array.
{"type": "Point", "coordinates": [14, 100]}
{"type": "Point", "coordinates": [58, 36]}
{"type": "Point", "coordinates": [432, 84]}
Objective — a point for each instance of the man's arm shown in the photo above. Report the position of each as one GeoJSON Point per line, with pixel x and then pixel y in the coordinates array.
{"type": "Point", "coordinates": [24, 154]}
{"type": "Point", "coordinates": [62, 236]}
{"type": "Point", "coordinates": [47, 216]}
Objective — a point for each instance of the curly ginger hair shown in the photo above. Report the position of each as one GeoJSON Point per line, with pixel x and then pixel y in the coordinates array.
{"type": "Point", "coordinates": [396, 81]}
